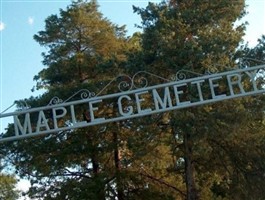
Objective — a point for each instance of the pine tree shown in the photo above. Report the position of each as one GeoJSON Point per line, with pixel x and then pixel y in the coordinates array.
{"type": "Point", "coordinates": [200, 37]}
{"type": "Point", "coordinates": [82, 47]}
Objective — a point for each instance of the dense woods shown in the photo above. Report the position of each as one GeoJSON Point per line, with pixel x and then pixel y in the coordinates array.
{"type": "Point", "coordinates": [215, 151]}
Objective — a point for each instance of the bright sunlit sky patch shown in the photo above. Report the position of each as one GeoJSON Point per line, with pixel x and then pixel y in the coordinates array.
{"type": "Point", "coordinates": [2, 26]}
{"type": "Point", "coordinates": [30, 20]}
{"type": "Point", "coordinates": [20, 55]}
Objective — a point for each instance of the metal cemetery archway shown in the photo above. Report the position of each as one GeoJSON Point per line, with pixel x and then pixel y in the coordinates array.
{"type": "Point", "coordinates": [130, 100]}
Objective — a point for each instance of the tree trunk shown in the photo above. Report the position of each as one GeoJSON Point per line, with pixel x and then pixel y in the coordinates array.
{"type": "Point", "coordinates": [120, 193]}
{"type": "Point", "coordinates": [192, 193]}
{"type": "Point", "coordinates": [99, 191]}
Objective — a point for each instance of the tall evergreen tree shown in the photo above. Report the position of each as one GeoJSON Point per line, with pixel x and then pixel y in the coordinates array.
{"type": "Point", "coordinates": [82, 47]}
{"type": "Point", "coordinates": [200, 37]}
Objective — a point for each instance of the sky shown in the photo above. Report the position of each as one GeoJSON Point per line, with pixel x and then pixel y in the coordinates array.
{"type": "Point", "coordinates": [20, 55]}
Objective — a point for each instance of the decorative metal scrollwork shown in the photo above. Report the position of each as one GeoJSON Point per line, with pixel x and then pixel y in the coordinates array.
{"type": "Point", "coordinates": [144, 79]}
{"type": "Point", "coordinates": [124, 84]}
{"type": "Point", "coordinates": [84, 94]}
{"type": "Point", "coordinates": [246, 62]}
{"type": "Point", "coordinates": [212, 70]}
{"type": "Point", "coordinates": [55, 100]}
{"type": "Point", "coordinates": [243, 63]}
{"type": "Point", "coordinates": [184, 74]}
{"type": "Point", "coordinates": [140, 80]}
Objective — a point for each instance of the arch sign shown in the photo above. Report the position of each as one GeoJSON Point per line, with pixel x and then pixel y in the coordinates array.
{"type": "Point", "coordinates": [137, 102]}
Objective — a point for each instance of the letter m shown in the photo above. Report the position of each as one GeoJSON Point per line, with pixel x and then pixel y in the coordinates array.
{"type": "Point", "coordinates": [22, 129]}
{"type": "Point", "coordinates": [158, 100]}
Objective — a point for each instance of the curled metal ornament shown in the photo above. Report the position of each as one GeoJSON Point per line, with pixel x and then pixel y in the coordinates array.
{"type": "Point", "coordinates": [124, 84]}
{"type": "Point", "coordinates": [86, 94]}
{"type": "Point", "coordinates": [55, 100]}
{"type": "Point", "coordinates": [140, 80]}
{"type": "Point", "coordinates": [180, 75]}
{"type": "Point", "coordinates": [248, 62]}
{"type": "Point", "coordinates": [212, 70]}
{"type": "Point", "coordinates": [184, 74]}
{"type": "Point", "coordinates": [243, 63]}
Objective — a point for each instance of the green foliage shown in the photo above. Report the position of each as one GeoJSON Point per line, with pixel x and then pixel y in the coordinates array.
{"type": "Point", "coordinates": [190, 34]}
{"type": "Point", "coordinates": [80, 42]}
{"type": "Point", "coordinates": [200, 36]}
{"type": "Point", "coordinates": [7, 187]}
{"type": "Point", "coordinates": [208, 152]}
